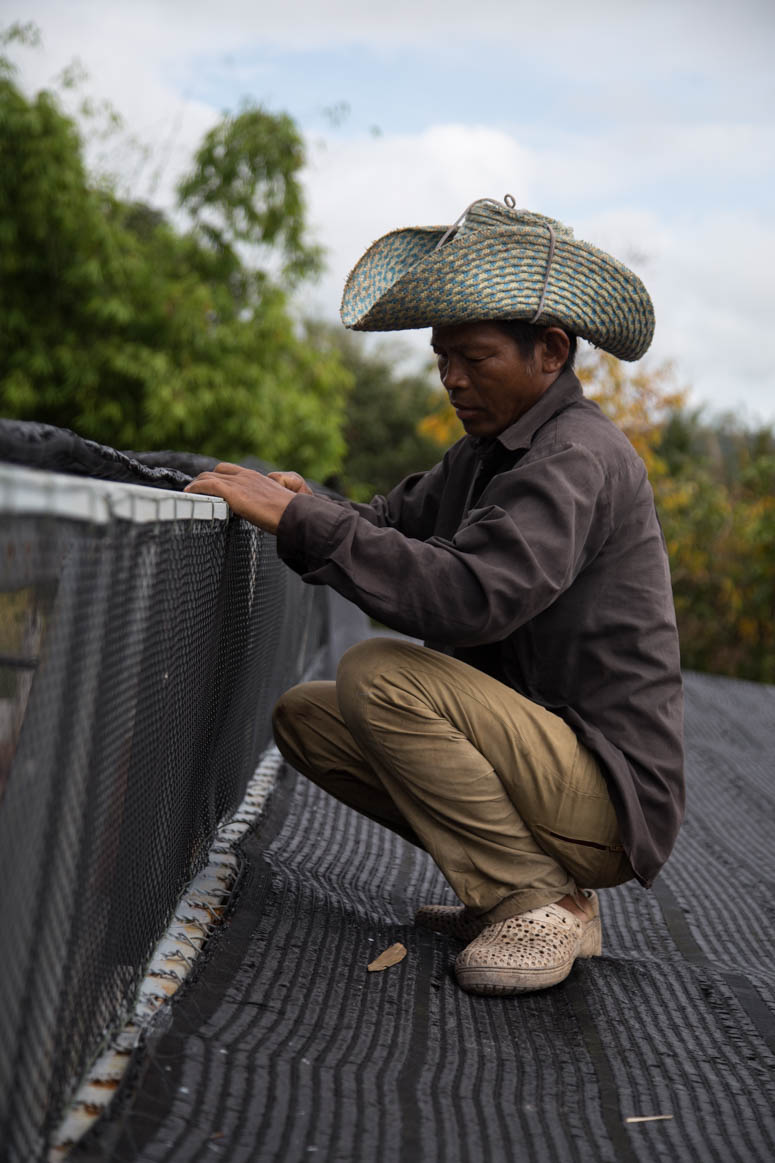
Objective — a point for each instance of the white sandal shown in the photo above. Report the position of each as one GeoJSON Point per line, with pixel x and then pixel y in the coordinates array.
{"type": "Point", "coordinates": [531, 951]}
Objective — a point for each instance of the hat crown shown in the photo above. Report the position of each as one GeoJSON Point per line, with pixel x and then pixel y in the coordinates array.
{"type": "Point", "coordinates": [487, 214]}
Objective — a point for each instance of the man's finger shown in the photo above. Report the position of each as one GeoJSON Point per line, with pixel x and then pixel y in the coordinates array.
{"type": "Point", "coordinates": [206, 482]}
{"type": "Point", "coordinates": [290, 480]}
{"type": "Point", "coordinates": [228, 469]}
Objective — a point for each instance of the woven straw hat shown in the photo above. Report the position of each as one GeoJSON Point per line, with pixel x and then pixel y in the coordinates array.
{"type": "Point", "coordinates": [497, 262]}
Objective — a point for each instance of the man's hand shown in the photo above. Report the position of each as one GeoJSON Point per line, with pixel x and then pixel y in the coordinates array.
{"type": "Point", "coordinates": [292, 481]}
{"type": "Point", "coordinates": [256, 497]}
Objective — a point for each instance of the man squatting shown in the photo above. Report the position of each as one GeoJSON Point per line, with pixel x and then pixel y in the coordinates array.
{"type": "Point", "coordinates": [533, 745]}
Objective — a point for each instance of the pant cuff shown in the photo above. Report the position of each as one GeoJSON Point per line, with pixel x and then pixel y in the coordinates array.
{"type": "Point", "coordinates": [524, 900]}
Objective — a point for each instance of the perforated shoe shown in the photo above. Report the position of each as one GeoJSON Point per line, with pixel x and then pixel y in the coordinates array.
{"type": "Point", "coordinates": [532, 951]}
{"type": "Point", "coordinates": [451, 921]}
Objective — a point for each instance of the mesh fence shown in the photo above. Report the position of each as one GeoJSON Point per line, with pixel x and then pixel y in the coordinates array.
{"type": "Point", "coordinates": [139, 657]}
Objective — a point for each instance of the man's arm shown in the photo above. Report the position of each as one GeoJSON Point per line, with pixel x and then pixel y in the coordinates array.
{"type": "Point", "coordinates": [533, 529]}
{"type": "Point", "coordinates": [410, 507]}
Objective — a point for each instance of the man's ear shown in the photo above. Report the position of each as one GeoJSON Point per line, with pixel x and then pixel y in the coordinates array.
{"type": "Point", "coordinates": [554, 347]}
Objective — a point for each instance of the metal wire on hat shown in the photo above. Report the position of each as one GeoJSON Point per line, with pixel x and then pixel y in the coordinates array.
{"type": "Point", "coordinates": [454, 226]}
{"type": "Point", "coordinates": [508, 200]}
{"type": "Point", "coordinates": [552, 243]}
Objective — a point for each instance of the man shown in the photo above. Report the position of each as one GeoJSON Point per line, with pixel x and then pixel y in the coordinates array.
{"type": "Point", "coordinates": [533, 746]}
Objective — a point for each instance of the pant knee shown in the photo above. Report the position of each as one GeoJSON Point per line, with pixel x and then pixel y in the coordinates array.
{"type": "Point", "coordinates": [361, 666]}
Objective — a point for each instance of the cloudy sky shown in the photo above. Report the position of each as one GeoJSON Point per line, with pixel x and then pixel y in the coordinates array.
{"type": "Point", "coordinates": [648, 127]}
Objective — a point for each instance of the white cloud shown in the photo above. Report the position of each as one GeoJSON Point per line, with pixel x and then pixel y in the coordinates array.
{"type": "Point", "coordinates": [604, 38]}
{"type": "Point", "coordinates": [715, 288]}
{"type": "Point", "coordinates": [710, 280]}
{"type": "Point", "coordinates": [358, 190]}
{"type": "Point", "coordinates": [623, 160]}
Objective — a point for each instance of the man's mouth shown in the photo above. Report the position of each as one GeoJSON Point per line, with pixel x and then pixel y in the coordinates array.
{"type": "Point", "coordinates": [465, 411]}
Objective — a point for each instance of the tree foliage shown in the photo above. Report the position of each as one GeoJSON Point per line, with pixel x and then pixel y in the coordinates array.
{"type": "Point", "coordinates": [383, 423]}
{"type": "Point", "coordinates": [714, 485]}
{"type": "Point", "coordinates": [139, 334]}
{"type": "Point", "coordinates": [244, 190]}
{"type": "Point", "coordinates": [638, 399]}
{"type": "Point", "coordinates": [716, 497]}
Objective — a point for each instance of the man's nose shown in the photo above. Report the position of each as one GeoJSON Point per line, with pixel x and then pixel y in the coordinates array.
{"type": "Point", "coordinates": [454, 374]}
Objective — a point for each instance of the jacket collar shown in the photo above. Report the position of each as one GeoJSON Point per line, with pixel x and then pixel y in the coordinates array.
{"type": "Point", "coordinates": [565, 390]}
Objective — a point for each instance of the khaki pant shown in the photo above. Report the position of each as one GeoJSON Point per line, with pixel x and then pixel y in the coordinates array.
{"type": "Point", "coordinates": [512, 808]}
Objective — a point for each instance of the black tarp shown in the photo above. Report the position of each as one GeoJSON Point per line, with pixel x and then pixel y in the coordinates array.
{"type": "Point", "coordinates": [285, 1049]}
{"type": "Point", "coordinates": [26, 442]}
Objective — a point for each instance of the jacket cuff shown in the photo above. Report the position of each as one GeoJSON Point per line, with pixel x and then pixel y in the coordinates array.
{"type": "Point", "coordinates": [308, 531]}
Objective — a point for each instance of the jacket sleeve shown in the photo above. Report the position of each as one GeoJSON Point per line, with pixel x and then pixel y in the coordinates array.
{"type": "Point", "coordinates": [410, 507]}
{"type": "Point", "coordinates": [534, 529]}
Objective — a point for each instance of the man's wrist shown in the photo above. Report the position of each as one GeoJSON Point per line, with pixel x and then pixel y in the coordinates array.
{"type": "Point", "coordinates": [308, 529]}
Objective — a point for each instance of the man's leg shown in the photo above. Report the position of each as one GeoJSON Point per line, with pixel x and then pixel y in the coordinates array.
{"type": "Point", "coordinates": [312, 736]}
{"type": "Point", "coordinates": [499, 790]}
{"type": "Point", "coordinates": [512, 808]}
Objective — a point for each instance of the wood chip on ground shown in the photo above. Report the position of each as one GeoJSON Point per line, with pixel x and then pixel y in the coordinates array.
{"type": "Point", "coordinates": [391, 956]}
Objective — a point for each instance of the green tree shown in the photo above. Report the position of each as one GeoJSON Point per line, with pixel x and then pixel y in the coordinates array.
{"type": "Point", "coordinates": [244, 191]}
{"type": "Point", "coordinates": [716, 498]}
{"type": "Point", "coordinates": [384, 413]}
{"type": "Point", "coordinates": [142, 335]}
{"type": "Point", "coordinates": [714, 485]}
{"type": "Point", "coordinates": [639, 399]}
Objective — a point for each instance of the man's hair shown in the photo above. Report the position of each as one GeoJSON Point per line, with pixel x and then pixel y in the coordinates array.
{"type": "Point", "coordinates": [526, 336]}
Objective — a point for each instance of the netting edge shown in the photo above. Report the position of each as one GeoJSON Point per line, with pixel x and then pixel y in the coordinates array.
{"type": "Point", "coordinates": [197, 914]}
{"type": "Point", "coordinates": [38, 491]}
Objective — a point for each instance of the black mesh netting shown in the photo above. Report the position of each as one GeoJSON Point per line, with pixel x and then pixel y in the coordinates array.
{"type": "Point", "coordinates": [138, 665]}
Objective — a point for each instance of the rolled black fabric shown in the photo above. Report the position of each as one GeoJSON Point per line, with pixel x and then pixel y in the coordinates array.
{"type": "Point", "coordinates": [38, 445]}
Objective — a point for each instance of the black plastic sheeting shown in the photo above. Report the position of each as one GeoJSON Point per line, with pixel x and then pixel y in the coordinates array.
{"type": "Point", "coordinates": [27, 442]}
{"type": "Point", "coordinates": [36, 445]}
{"type": "Point", "coordinates": [285, 1048]}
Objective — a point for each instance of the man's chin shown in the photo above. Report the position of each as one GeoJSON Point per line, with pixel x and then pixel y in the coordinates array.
{"type": "Point", "coordinates": [477, 426]}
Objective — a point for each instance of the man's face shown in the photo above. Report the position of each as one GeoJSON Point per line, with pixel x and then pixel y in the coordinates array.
{"type": "Point", "coordinates": [489, 381]}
